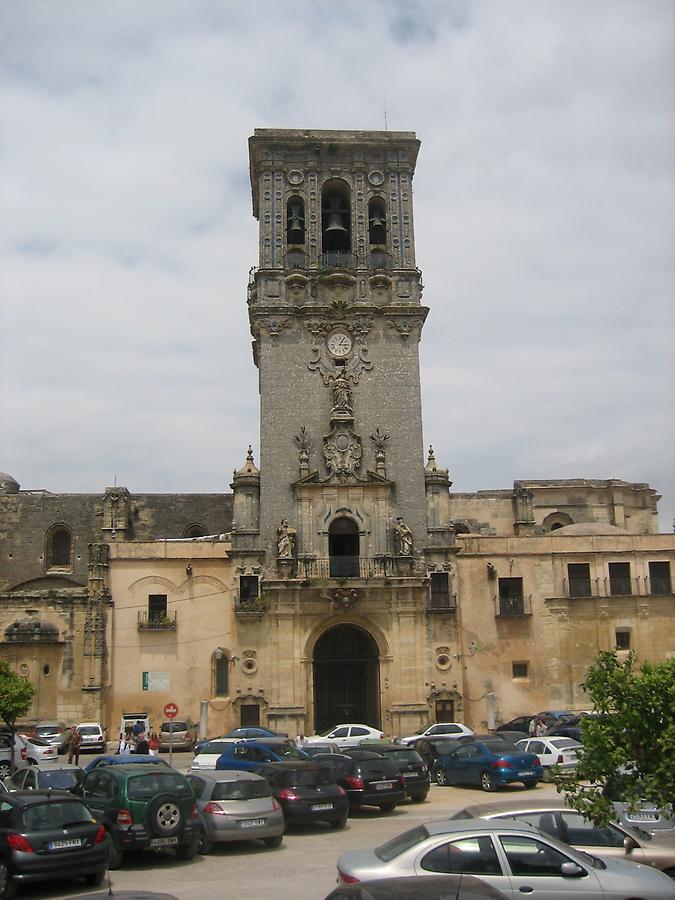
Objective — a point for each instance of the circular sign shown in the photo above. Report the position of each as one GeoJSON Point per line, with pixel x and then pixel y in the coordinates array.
{"type": "Point", "coordinates": [171, 710]}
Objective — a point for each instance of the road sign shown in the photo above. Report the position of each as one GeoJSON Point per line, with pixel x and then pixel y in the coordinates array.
{"type": "Point", "coordinates": [171, 710]}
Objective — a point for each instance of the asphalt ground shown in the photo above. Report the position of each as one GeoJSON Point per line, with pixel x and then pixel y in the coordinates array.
{"type": "Point", "coordinates": [303, 868]}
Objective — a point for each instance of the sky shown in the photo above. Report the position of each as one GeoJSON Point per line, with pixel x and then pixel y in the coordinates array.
{"type": "Point", "coordinates": [543, 204]}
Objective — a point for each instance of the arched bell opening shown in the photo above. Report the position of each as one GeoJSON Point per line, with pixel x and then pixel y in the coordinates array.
{"type": "Point", "coordinates": [295, 222]}
{"type": "Point", "coordinates": [346, 678]}
{"type": "Point", "coordinates": [336, 217]}
{"type": "Point", "coordinates": [377, 223]}
{"type": "Point", "coordinates": [343, 548]}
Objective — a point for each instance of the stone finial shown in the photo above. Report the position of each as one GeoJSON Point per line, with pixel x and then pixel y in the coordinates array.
{"type": "Point", "coordinates": [431, 462]}
{"type": "Point", "coordinates": [249, 468]}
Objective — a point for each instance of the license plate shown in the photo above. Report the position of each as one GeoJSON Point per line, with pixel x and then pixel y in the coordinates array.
{"type": "Point", "coordinates": [318, 807]}
{"type": "Point", "coordinates": [251, 823]}
{"type": "Point", "coordinates": [411, 775]}
{"type": "Point", "coordinates": [384, 786]}
{"type": "Point", "coordinates": [526, 772]}
{"type": "Point", "coordinates": [163, 842]}
{"type": "Point", "coordinates": [642, 817]}
{"type": "Point", "coordinates": [61, 845]}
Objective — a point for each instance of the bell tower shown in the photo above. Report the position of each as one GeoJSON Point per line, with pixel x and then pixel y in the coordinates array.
{"type": "Point", "coordinates": [336, 316]}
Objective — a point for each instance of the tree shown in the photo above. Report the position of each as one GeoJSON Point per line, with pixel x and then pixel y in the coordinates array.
{"type": "Point", "coordinates": [16, 696]}
{"type": "Point", "coordinates": [630, 745]}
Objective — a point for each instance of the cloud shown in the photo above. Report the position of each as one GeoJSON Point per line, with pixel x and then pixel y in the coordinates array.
{"type": "Point", "coordinates": [543, 203]}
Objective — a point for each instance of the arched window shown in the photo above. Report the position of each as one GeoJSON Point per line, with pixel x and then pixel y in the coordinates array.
{"type": "Point", "coordinates": [556, 520]}
{"type": "Point", "coordinates": [59, 547]}
{"type": "Point", "coordinates": [335, 220]}
{"type": "Point", "coordinates": [295, 221]}
{"type": "Point", "coordinates": [377, 223]}
{"type": "Point", "coordinates": [221, 673]}
{"type": "Point", "coordinates": [194, 530]}
{"type": "Point", "coordinates": [343, 548]}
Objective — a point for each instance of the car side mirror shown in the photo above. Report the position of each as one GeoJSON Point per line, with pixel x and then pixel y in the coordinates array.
{"type": "Point", "coordinates": [630, 844]}
{"type": "Point", "coordinates": [571, 870]}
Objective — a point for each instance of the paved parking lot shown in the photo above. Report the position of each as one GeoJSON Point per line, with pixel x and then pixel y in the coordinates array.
{"type": "Point", "coordinates": [303, 868]}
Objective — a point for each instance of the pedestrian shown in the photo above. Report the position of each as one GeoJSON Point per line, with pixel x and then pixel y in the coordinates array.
{"type": "Point", "coordinates": [142, 745]}
{"type": "Point", "coordinates": [532, 726]}
{"type": "Point", "coordinates": [153, 744]}
{"type": "Point", "coordinates": [74, 743]}
{"type": "Point", "coordinates": [299, 741]}
{"type": "Point", "coordinates": [138, 729]}
{"type": "Point", "coordinates": [539, 727]}
{"type": "Point", "coordinates": [125, 744]}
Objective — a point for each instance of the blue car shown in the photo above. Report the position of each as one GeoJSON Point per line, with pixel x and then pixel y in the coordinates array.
{"type": "Point", "coordinates": [120, 758]}
{"type": "Point", "coordinates": [488, 763]}
{"type": "Point", "coordinates": [248, 755]}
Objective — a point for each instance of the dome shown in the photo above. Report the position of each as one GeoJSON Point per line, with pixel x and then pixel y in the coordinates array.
{"type": "Point", "coordinates": [8, 485]}
{"type": "Point", "coordinates": [589, 528]}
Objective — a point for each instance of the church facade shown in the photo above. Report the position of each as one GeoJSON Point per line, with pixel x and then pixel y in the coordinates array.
{"type": "Point", "coordinates": [342, 580]}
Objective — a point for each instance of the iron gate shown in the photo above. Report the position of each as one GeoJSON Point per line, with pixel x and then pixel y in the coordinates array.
{"type": "Point", "coordinates": [346, 678]}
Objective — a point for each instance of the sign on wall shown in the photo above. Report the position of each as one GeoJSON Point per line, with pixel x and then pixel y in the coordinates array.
{"type": "Point", "coordinates": [156, 681]}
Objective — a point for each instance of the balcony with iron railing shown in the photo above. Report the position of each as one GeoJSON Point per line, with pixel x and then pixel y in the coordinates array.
{"type": "Point", "coordinates": [640, 586]}
{"type": "Point", "coordinates": [344, 567]}
{"type": "Point", "coordinates": [513, 607]}
{"type": "Point", "coordinates": [152, 621]}
{"type": "Point", "coordinates": [441, 602]}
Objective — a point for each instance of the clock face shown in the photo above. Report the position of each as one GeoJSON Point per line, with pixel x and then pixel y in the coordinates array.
{"type": "Point", "coordinates": [339, 343]}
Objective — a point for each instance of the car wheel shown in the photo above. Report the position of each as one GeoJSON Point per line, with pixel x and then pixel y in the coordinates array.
{"type": "Point", "coordinates": [442, 778]}
{"type": "Point", "coordinates": [5, 769]}
{"type": "Point", "coordinates": [419, 798]}
{"type": "Point", "coordinates": [387, 807]}
{"type": "Point", "coordinates": [274, 841]}
{"type": "Point", "coordinates": [115, 854]}
{"type": "Point", "coordinates": [187, 851]}
{"type": "Point", "coordinates": [487, 782]}
{"type": "Point", "coordinates": [339, 823]}
{"type": "Point", "coordinates": [165, 816]}
{"type": "Point", "coordinates": [205, 844]}
{"type": "Point", "coordinates": [94, 879]}
{"type": "Point", "coordinates": [7, 885]}
{"type": "Point", "coordinates": [530, 784]}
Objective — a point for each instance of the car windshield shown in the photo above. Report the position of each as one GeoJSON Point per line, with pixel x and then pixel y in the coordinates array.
{"type": "Point", "coordinates": [408, 756]}
{"type": "Point", "coordinates": [591, 860]}
{"type": "Point", "coordinates": [401, 843]}
{"type": "Point", "coordinates": [53, 816]}
{"type": "Point", "coordinates": [240, 790]}
{"type": "Point", "coordinates": [145, 787]}
{"type": "Point", "coordinates": [177, 726]}
{"type": "Point", "coordinates": [217, 747]}
{"type": "Point", "coordinates": [43, 730]}
{"type": "Point", "coordinates": [62, 779]}
{"type": "Point", "coordinates": [89, 729]}
{"type": "Point", "coordinates": [309, 778]}
{"type": "Point", "coordinates": [287, 751]}
{"type": "Point", "coordinates": [563, 743]}
{"type": "Point", "coordinates": [447, 746]}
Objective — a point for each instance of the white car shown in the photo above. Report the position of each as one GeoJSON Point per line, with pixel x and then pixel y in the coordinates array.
{"type": "Point", "coordinates": [209, 753]}
{"type": "Point", "coordinates": [31, 751]}
{"type": "Point", "coordinates": [552, 751]}
{"type": "Point", "coordinates": [348, 735]}
{"type": "Point", "coordinates": [92, 737]}
{"type": "Point", "coordinates": [452, 730]}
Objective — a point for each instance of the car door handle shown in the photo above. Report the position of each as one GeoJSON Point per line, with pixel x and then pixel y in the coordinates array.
{"type": "Point", "coordinates": [526, 889]}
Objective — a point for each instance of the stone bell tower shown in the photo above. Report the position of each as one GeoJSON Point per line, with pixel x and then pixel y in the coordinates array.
{"type": "Point", "coordinates": [336, 316]}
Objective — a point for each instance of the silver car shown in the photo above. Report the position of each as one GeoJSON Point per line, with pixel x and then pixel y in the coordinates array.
{"type": "Point", "coordinates": [512, 857]}
{"type": "Point", "coordinates": [236, 806]}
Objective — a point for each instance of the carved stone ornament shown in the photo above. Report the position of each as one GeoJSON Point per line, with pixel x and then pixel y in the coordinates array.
{"type": "Point", "coordinates": [403, 538]}
{"type": "Point", "coordinates": [274, 325]}
{"type": "Point", "coordinates": [286, 538]}
{"type": "Point", "coordinates": [343, 598]}
{"type": "Point", "coordinates": [406, 325]}
{"type": "Point", "coordinates": [323, 362]}
{"type": "Point", "coordinates": [342, 453]}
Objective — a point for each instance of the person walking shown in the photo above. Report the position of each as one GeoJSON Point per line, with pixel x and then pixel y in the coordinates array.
{"type": "Point", "coordinates": [153, 744]}
{"type": "Point", "coordinates": [142, 745]}
{"type": "Point", "coordinates": [74, 744]}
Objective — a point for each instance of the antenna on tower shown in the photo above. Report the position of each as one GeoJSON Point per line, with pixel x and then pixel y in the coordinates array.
{"type": "Point", "coordinates": [384, 104]}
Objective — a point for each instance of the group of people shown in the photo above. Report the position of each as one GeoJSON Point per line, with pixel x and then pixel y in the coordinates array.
{"type": "Point", "coordinates": [536, 727]}
{"type": "Point", "coordinates": [135, 740]}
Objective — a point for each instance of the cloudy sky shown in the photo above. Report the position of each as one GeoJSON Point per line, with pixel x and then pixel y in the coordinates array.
{"type": "Point", "coordinates": [544, 225]}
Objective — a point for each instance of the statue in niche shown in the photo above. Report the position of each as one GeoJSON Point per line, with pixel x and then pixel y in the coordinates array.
{"type": "Point", "coordinates": [285, 541]}
{"type": "Point", "coordinates": [342, 394]}
{"type": "Point", "coordinates": [403, 538]}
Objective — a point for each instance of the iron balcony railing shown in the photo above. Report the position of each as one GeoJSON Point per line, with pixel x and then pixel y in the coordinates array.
{"type": "Point", "coordinates": [345, 567]}
{"type": "Point", "coordinates": [441, 602]}
{"type": "Point", "coordinates": [640, 586]}
{"type": "Point", "coordinates": [513, 607]}
{"type": "Point", "coordinates": [148, 621]}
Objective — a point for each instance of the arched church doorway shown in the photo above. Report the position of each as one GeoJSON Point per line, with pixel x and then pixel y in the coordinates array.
{"type": "Point", "coordinates": [343, 548]}
{"type": "Point", "coordinates": [346, 678]}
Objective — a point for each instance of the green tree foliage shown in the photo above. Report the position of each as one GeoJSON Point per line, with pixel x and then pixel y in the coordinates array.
{"type": "Point", "coordinates": [630, 745]}
{"type": "Point", "coordinates": [16, 696]}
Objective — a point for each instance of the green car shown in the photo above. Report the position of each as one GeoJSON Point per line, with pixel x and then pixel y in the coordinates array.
{"type": "Point", "coordinates": [142, 808]}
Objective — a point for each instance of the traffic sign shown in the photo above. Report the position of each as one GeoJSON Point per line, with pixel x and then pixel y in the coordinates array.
{"type": "Point", "coordinates": [171, 710]}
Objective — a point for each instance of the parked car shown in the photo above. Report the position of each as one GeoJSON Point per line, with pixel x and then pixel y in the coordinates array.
{"type": "Point", "coordinates": [5, 755]}
{"type": "Point", "coordinates": [312, 750]}
{"type": "Point", "coordinates": [647, 816]}
{"type": "Point", "coordinates": [92, 737]}
{"type": "Point", "coordinates": [255, 732]}
{"type": "Point", "coordinates": [431, 748]}
{"type": "Point", "coordinates": [552, 751]}
{"type": "Point", "coordinates": [570, 726]}
{"type": "Point", "coordinates": [446, 729]}
{"type": "Point", "coordinates": [55, 733]}
{"type": "Point", "coordinates": [61, 776]}
{"type": "Point", "coordinates": [120, 759]}
{"type": "Point", "coordinates": [236, 806]}
{"type": "Point", "coordinates": [30, 751]}
{"type": "Point", "coordinates": [176, 735]}
{"type": "Point", "coordinates": [207, 755]}
{"type": "Point", "coordinates": [368, 778]}
{"type": "Point", "coordinates": [520, 723]}
{"type": "Point", "coordinates": [307, 792]}
{"type": "Point", "coordinates": [567, 825]}
{"type": "Point", "coordinates": [488, 764]}
{"type": "Point", "coordinates": [510, 856]}
{"type": "Point", "coordinates": [48, 835]}
{"type": "Point", "coordinates": [246, 755]}
{"type": "Point", "coordinates": [427, 887]}
{"type": "Point", "coordinates": [411, 767]}
{"type": "Point", "coordinates": [142, 808]}
{"type": "Point", "coordinates": [346, 735]}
